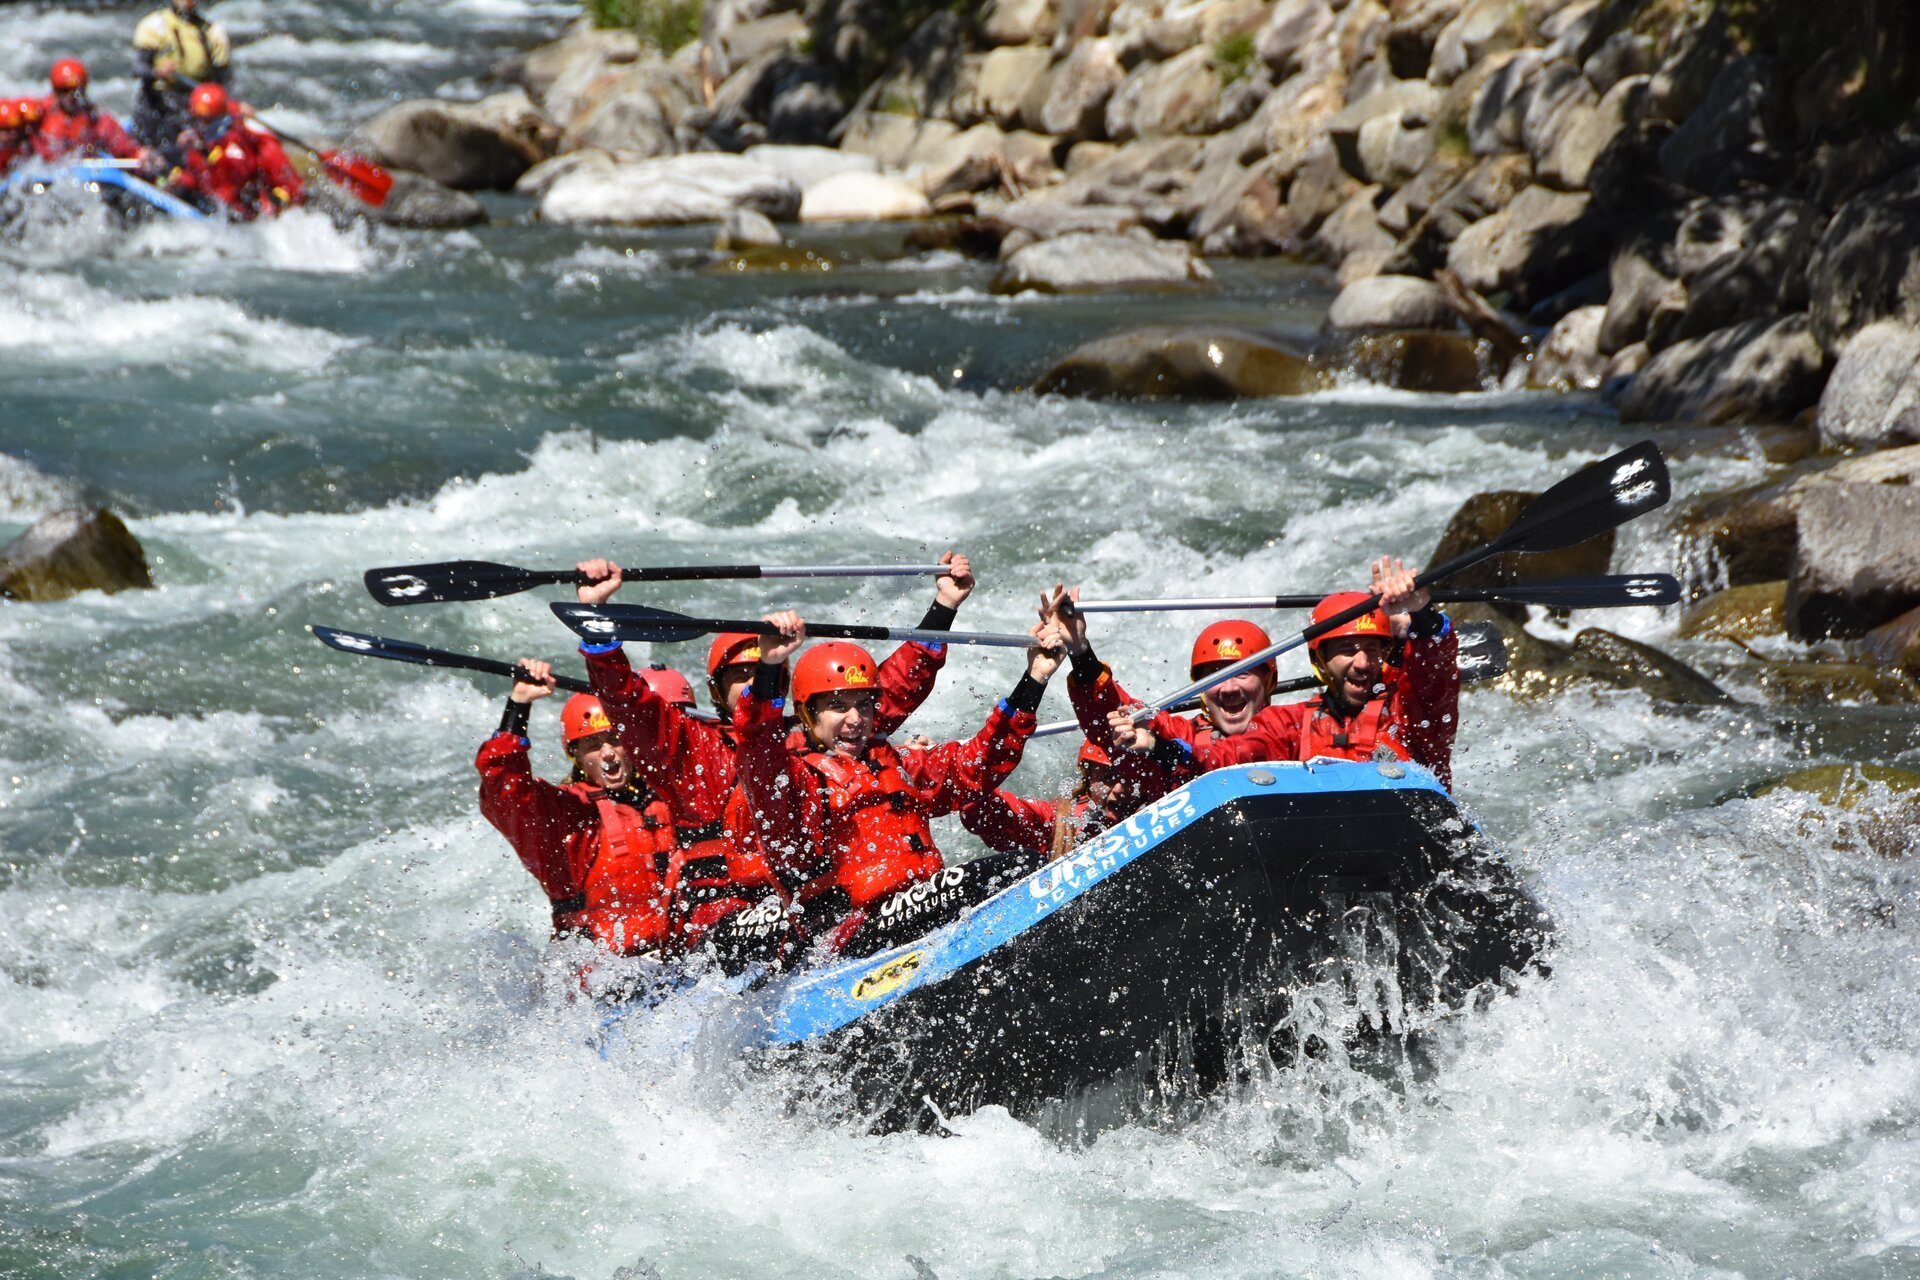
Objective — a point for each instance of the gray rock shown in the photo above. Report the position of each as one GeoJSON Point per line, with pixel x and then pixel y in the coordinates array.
{"type": "Point", "coordinates": [1410, 202]}
{"type": "Point", "coordinates": [1758, 372]}
{"type": "Point", "coordinates": [745, 229]}
{"type": "Point", "coordinates": [636, 113]}
{"type": "Point", "coordinates": [1190, 362]}
{"type": "Point", "coordinates": [1587, 132]}
{"type": "Point", "coordinates": [1484, 27]}
{"type": "Point", "coordinates": [1041, 217]}
{"type": "Point", "coordinates": [468, 146]}
{"type": "Point", "coordinates": [1572, 31]}
{"type": "Point", "coordinates": [1865, 268]}
{"type": "Point", "coordinates": [1856, 558]}
{"type": "Point", "coordinates": [1873, 398]}
{"type": "Point", "coordinates": [63, 554]}
{"type": "Point", "coordinates": [1499, 105]}
{"type": "Point", "coordinates": [1391, 302]}
{"type": "Point", "coordinates": [671, 189]}
{"type": "Point", "coordinates": [1078, 89]}
{"type": "Point", "coordinates": [1319, 187]}
{"type": "Point", "coordinates": [535, 181]}
{"type": "Point", "coordinates": [1535, 232]}
{"type": "Point", "coordinates": [1000, 82]}
{"type": "Point", "coordinates": [1767, 275]}
{"type": "Point", "coordinates": [862, 197]}
{"type": "Point", "coordinates": [1695, 58]}
{"type": "Point", "coordinates": [803, 107]}
{"type": "Point", "coordinates": [1623, 54]}
{"type": "Point", "coordinates": [1017, 21]}
{"type": "Point", "coordinates": [1413, 33]}
{"type": "Point", "coordinates": [1090, 263]}
{"type": "Point", "coordinates": [1486, 189]}
{"type": "Point", "coordinates": [1637, 285]}
{"type": "Point", "coordinates": [808, 166]}
{"type": "Point", "coordinates": [1289, 124]}
{"type": "Point", "coordinates": [1158, 99]}
{"type": "Point", "coordinates": [1715, 229]}
{"type": "Point", "coordinates": [1401, 101]}
{"type": "Point", "coordinates": [1570, 359]}
{"type": "Point", "coordinates": [1393, 148]}
{"type": "Point", "coordinates": [558, 74]}
{"type": "Point", "coordinates": [416, 203]}
{"type": "Point", "coordinates": [1292, 28]}
{"type": "Point", "coordinates": [1353, 229]}
{"type": "Point", "coordinates": [892, 139]}
{"type": "Point", "coordinates": [1736, 136]}
{"type": "Point", "coordinates": [1555, 94]}
{"type": "Point", "coordinates": [1622, 366]}
{"type": "Point", "coordinates": [1412, 360]}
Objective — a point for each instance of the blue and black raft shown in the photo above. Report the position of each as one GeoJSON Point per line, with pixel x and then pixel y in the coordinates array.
{"type": "Point", "coordinates": [108, 183]}
{"type": "Point", "coordinates": [1194, 919]}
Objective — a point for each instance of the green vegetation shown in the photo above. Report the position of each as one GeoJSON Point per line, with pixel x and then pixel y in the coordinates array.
{"type": "Point", "coordinates": [665, 24]}
{"type": "Point", "coordinates": [1233, 57]}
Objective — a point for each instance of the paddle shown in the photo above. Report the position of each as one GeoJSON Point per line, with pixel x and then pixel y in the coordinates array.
{"type": "Point", "coordinates": [1586, 504]}
{"type": "Point", "coordinates": [1481, 656]}
{"type": "Point", "coordinates": [457, 580]}
{"type": "Point", "coordinates": [602, 623]}
{"type": "Point", "coordinates": [368, 646]}
{"type": "Point", "coordinates": [1605, 591]}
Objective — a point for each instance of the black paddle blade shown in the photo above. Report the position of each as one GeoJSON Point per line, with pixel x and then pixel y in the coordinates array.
{"type": "Point", "coordinates": [1482, 654]}
{"type": "Point", "coordinates": [1592, 500]}
{"type": "Point", "coordinates": [1605, 591]}
{"type": "Point", "coordinates": [381, 647]}
{"type": "Point", "coordinates": [605, 623]}
{"type": "Point", "coordinates": [452, 581]}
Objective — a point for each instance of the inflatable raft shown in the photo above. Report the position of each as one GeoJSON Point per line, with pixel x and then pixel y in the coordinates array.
{"type": "Point", "coordinates": [1196, 914]}
{"type": "Point", "coordinates": [124, 192]}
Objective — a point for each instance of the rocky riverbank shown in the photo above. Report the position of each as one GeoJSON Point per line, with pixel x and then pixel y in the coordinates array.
{"type": "Point", "coordinates": [1709, 213]}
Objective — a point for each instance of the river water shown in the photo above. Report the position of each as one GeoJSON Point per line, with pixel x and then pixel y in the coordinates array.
{"type": "Point", "coordinates": [272, 997]}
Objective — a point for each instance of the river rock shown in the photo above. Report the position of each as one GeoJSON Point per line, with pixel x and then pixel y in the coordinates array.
{"type": "Point", "coordinates": [1555, 95]}
{"type": "Point", "coordinates": [1189, 363]}
{"type": "Point", "coordinates": [1415, 30]}
{"type": "Point", "coordinates": [1896, 643]}
{"type": "Point", "coordinates": [1488, 187]}
{"type": "Point", "coordinates": [1589, 131]}
{"type": "Point", "coordinates": [862, 197]}
{"type": "Point", "coordinates": [744, 229]}
{"type": "Point", "coordinates": [1415, 360]}
{"type": "Point", "coordinates": [1570, 358]}
{"type": "Point", "coordinates": [1736, 136]}
{"type": "Point", "coordinates": [1391, 149]}
{"type": "Point", "coordinates": [892, 139]}
{"type": "Point", "coordinates": [558, 74]}
{"type": "Point", "coordinates": [1083, 262]}
{"type": "Point", "coordinates": [1844, 786]}
{"type": "Point", "coordinates": [1391, 302]}
{"type": "Point", "coordinates": [1535, 236]}
{"type": "Point", "coordinates": [1738, 613]}
{"type": "Point", "coordinates": [1873, 398]}
{"type": "Point", "coordinates": [1319, 188]}
{"type": "Point", "coordinates": [998, 82]}
{"type": "Point", "coordinates": [1641, 666]}
{"type": "Point", "coordinates": [1181, 95]}
{"type": "Point", "coordinates": [1398, 101]}
{"type": "Point", "coordinates": [1622, 55]}
{"type": "Point", "coordinates": [1017, 21]}
{"type": "Point", "coordinates": [1292, 28]}
{"type": "Point", "coordinates": [1758, 372]}
{"type": "Point", "coordinates": [1870, 808]}
{"type": "Point", "coordinates": [805, 167]}
{"type": "Point", "coordinates": [1287, 127]}
{"type": "Point", "coordinates": [1078, 90]}
{"type": "Point", "coordinates": [1856, 558]}
{"type": "Point", "coordinates": [1765, 275]}
{"type": "Point", "coordinates": [1484, 517]}
{"type": "Point", "coordinates": [635, 111]}
{"type": "Point", "coordinates": [70, 551]}
{"type": "Point", "coordinates": [671, 189]}
{"type": "Point", "coordinates": [536, 181]}
{"type": "Point", "coordinates": [418, 204]}
{"type": "Point", "coordinates": [1865, 268]}
{"type": "Point", "coordinates": [1483, 27]}
{"type": "Point", "coordinates": [1697, 53]}
{"type": "Point", "coordinates": [1499, 104]}
{"type": "Point", "coordinates": [476, 146]}
{"type": "Point", "coordinates": [1637, 285]}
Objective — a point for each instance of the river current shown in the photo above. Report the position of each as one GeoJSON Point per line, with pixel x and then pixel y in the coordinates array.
{"type": "Point", "coordinates": [272, 996]}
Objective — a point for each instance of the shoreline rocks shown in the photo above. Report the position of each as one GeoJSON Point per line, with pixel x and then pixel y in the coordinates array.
{"type": "Point", "coordinates": [74, 550]}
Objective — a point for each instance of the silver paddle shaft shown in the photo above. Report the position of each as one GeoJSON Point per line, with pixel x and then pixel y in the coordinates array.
{"type": "Point", "coordinates": [854, 570]}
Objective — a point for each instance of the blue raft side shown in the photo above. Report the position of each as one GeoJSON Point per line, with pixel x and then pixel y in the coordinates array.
{"type": "Point", "coordinates": [82, 173]}
{"type": "Point", "coordinates": [821, 1001]}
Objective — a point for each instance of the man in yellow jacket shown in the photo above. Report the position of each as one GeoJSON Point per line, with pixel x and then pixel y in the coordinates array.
{"type": "Point", "coordinates": [174, 49]}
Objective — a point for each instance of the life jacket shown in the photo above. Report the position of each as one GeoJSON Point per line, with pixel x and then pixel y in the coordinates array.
{"type": "Point", "coordinates": [1365, 735]}
{"type": "Point", "coordinates": [90, 132]}
{"type": "Point", "coordinates": [877, 839]}
{"type": "Point", "coordinates": [195, 46]}
{"type": "Point", "coordinates": [718, 870]}
{"type": "Point", "coordinates": [624, 896]}
{"type": "Point", "coordinates": [246, 171]}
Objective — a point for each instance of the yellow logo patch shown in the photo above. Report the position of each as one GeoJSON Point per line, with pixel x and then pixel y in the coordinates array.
{"type": "Point", "coordinates": [1228, 648]}
{"type": "Point", "coordinates": [598, 722]}
{"type": "Point", "coordinates": [859, 675]}
{"type": "Point", "coordinates": [890, 976]}
{"type": "Point", "coordinates": [1366, 622]}
{"type": "Point", "coordinates": [749, 654]}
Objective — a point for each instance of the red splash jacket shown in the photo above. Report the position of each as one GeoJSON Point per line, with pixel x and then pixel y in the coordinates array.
{"type": "Point", "coordinates": [92, 132]}
{"type": "Point", "coordinates": [248, 172]}
{"type": "Point", "coordinates": [603, 862]}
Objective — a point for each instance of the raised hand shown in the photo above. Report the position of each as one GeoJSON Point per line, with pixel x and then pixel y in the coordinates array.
{"type": "Point", "coordinates": [792, 629]}
{"type": "Point", "coordinates": [1126, 734]}
{"type": "Point", "coordinates": [953, 587]}
{"type": "Point", "coordinates": [601, 579]}
{"type": "Point", "coordinates": [1048, 651]}
{"type": "Point", "coordinates": [1399, 598]}
{"type": "Point", "coordinates": [1057, 606]}
{"type": "Point", "coordinates": [538, 684]}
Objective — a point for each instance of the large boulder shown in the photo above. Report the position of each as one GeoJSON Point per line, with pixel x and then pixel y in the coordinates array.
{"type": "Point", "coordinates": [1555, 96]}
{"type": "Point", "coordinates": [1391, 302]}
{"type": "Point", "coordinates": [1765, 275]}
{"type": "Point", "coordinates": [998, 82]}
{"type": "Point", "coordinates": [1078, 89]}
{"type": "Point", "coordinates": [1484, 27]}
{"type": "Point", "coordinates": [1158, 99]}
{"type": "Point", "coordinates": [1856, 558]}
{"type": "Point", "coordinates": [891, 139]}
{"type": "Point", "coordinates": [559, 75]}
{"type": "Point", "coordinates": [1736, 136]}
{"type": "Point", "coordinates": [634, 112]}
{"type": "Point", "coordinates": [1865, 267]}
{"type": "Point", "coordinates": [1352, 233]}
{"type": "Point", "coordinates": [475, 146]}
{"type": "Point", "coordinates": [862, 197]}
{"type": "Point", "coordinates": [1538, 668]}
{"type": "Point", "coordinates": [1090, 263]}
{"type": "Point", "coordinates": [1738, 613]}
{"type": "Point", "coordinates": [79, 549]}
{"type": "Point", "coordinates": [536, 181]}
{"type": "Point", "coordinates": [1538, 234]}
{"type": "Point", "coordinates": [1588, 132]}
{"type": "Point", "coordinates": [1499, 105]}
{"type": "Point", "coordinates": [1637, 286]}
{"type": "Point", "coordinates": [1484, 517]}
{"type": "Point", "coordinates": [671, 189]}
{"type": "Point", "coordinates": [1485, 189]}
{"type": "Point", "coordinates": [1570, 359]}
{"type": "Point", "coordinates": [1188, 363]}
{"type": "Point", "coordinates": [416, 203]}
{"type": "Point", "coordinates": [1397, 101]}
{"type": "Point", "coordinates": [1758, 372]}
{"type": "Point", "coordinates": [1292, 28]}
{"type": "Point", "coordinates": [1873, 398]}
{"type": "Point", "coordinates": [1390, 149]}
{"type": "Point", "coordinates": [807, 167]}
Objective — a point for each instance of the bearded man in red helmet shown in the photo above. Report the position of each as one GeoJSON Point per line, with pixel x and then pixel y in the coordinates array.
{"type": "Point", "coordinates": [726, 894]}
{"type": "Point", "coordinates": [228, 168]}
{"type": "Point", "coordinates": [71, 127]}
{"type": "Point", "coordinates": [841, 814]}
{"type": "Point", "coordinates": [1392, 692]}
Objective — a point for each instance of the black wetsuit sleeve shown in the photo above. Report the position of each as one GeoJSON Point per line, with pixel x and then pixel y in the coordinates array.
{"type": "Point", "coordinates": [515, 718]}
{"type": "Point", "coordinates": [1427, 624]}
{"type": "Point", "coordinates": [1027, 694]}
{"type": "Point", "coordinates": [939, 617]}
{"type": "Point", "coordinates": [766, 682]}
{"type": "Point", "coordinates": [1086, 666]}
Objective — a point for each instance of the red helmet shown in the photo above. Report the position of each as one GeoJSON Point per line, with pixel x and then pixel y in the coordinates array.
{"type": "Point", "coordinates": [730, 647]}
{"type": "Point", "coordinates": [582, 717]}
{"type": "Point", "coordinates": [68, 73]}
{"type": "Point", "coordinates": [1092, 752]}
{"type": "Point", "coordinates": [669, 684]}
{"type": "Point", "coordinates": [833, 665]}
{"type": "Point", "coordinates": [1230, 641]}
{"type": "Point", "coordinates": [208, 102]}
{"type": "Point", "coordinates": [10, 117]}
{"type": "Point", "coordinates": [1367, 624]}
{"type": "Point", "coordinates": [30, 111]}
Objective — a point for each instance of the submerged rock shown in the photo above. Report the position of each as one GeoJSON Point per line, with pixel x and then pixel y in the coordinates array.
{"type": "Point", "coordinates": [1484, 517]}
{"type": "Point", "coordinates": [1416, 360]}
{"type": "Point", "coordinates": [1195, 363]}
{"type": "Point", "coordinates": [1874, 805]}
{"type": "Point", "coordinates": [1538, 668]}
{"type": "Point", "coordinates": [1739, 613]}
{"type": "Point", "coordinates": [71, 551]}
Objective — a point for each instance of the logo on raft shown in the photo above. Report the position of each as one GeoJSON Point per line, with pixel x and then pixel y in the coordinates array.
{"type": "Point", "coordinates": [890, 976]}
